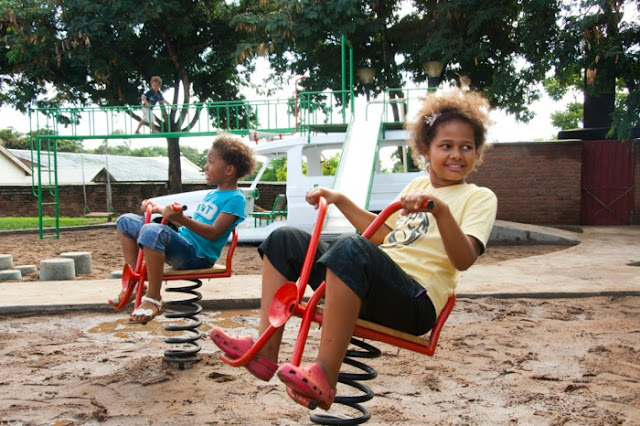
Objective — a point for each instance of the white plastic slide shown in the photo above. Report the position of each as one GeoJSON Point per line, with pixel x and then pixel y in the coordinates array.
{"type": "Point", "coordinates": [357, 164]}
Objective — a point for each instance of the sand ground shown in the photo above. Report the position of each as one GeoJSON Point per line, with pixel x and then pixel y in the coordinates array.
{"type": "Point", "coordinates": [534, 361]}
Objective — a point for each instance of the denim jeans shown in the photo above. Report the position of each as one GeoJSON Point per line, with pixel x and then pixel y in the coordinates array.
{"type": "Point", "coordinates": [178, 251]}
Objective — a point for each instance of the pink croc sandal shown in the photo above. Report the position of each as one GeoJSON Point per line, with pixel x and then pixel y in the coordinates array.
{"type": "Point", "coordinates": [308, 385]}
{"type": "Point", "coordinates": [235, 347]}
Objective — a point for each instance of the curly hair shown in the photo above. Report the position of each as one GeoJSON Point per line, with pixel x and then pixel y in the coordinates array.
{"type": "Point", "coordinates": [440, 108]}
{"type": "Point", "coordinates": [233, 151]}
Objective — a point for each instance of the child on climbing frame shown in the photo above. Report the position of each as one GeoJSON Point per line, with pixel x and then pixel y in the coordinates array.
{"type": "Point", "coordinates": [149, 99]}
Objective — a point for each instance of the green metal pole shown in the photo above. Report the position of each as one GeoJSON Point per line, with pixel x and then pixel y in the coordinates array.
{"type": "Point", "coordinates": [40, 210]}
{"type": "Point", "coordinates": [345, 43]}
{"type": "Point", "coordinates": [56, 200]}
{"type": "Point", "coordinates": [351, 79]}
{"type": "Point", "coordinates": [343, 87]}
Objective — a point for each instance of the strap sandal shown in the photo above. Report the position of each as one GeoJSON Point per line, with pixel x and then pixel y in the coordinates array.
{"type": "Point", "coordinates": [115, 302]}
{"type": "Point", "coordinates": [146, 315]}
{"type": "Point", "coordinates": [235, 347]}
{"type": "Point", "coordinates": [308, 386]}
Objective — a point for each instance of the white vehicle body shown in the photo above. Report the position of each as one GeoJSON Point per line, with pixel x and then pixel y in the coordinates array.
{"type": "Point", "coordinates": [301, 150]}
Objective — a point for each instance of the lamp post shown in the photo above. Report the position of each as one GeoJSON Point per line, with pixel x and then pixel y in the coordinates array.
{"type": "Point", "coordinates": [434, 72]}
{"type": "Point", "coordinates": [366, 75]}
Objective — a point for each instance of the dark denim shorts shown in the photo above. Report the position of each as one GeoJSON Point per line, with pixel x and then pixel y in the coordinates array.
{"type": "Point", "coordinates": [179, 253]}
{"type": "Point", "coordinates": [389, 296]}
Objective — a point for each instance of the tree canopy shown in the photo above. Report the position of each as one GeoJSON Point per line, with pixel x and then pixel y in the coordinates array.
{"type": "Point", "coordinates": [597, 51]}
{"type": "Point", "coordinates": [506, 48]}
{"type": "Point", "coordinates": [502, 47]}
{"type": "Point", "coordinates": [104, 52]}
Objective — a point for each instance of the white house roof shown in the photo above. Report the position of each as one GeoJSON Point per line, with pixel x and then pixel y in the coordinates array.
{"type": "Point", "coordinates": [75, 168]}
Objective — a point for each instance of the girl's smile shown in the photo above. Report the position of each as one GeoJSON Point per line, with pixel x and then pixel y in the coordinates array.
{"type": "Point", "coordinates": [452, 153]}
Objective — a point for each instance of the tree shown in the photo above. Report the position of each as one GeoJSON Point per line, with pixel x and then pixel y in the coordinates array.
{"type": "Point", "coordinates": [505, 48]}
{"type": "Point", "coordinates": [570, 118]}
{"type": "Point", "coordinates": [502, 46]}
{"type": "Point", "coordinates": [76, 52]}
{"type": "Point", "coordinates": [11, 139]}
{"type": "Point", "coordinates": [305, 38]}
{"type": "Point", "coordinates": [596, 51]}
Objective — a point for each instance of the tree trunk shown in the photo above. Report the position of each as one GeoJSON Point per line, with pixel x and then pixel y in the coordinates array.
{"type": "Point", "coordinates": [598, 107]}
{"type": "Point", "coordinates": [175, 168]}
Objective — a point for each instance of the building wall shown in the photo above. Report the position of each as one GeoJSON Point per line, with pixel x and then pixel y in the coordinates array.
{"type": "Point", "coordinates": [10, 172]}
{"type": "Point", "coordinates": [20, 201]}
{"type": "Point", "coordinates": [537, 183]}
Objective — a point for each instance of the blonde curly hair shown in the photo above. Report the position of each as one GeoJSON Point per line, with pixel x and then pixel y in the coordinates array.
{"type": "Point", "coordinates": [442, 107]}
{"type": "Point", "coordinates": [233, 151]}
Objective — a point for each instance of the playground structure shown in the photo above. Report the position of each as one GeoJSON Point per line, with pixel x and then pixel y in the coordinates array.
{"type": "Point", "coordinates": [307, 115]}
{"type": "Point", "coordinates": [288, 301]}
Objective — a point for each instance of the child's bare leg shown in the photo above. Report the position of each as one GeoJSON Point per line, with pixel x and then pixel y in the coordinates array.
{"type": "Point", "coordinates": [129, 249]}
{"type": "Point", "coordinates": [155, 266]}
{"type": "Point", "coordinates": [272, 280]}
{"type": "Point", "coordinates": [341, 309]}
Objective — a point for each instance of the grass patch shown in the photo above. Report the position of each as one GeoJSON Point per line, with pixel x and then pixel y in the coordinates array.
{"type": "Point", "coordinates": [7, 223]}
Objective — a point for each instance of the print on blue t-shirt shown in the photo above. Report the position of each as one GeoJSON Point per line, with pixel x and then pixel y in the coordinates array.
{"type": "Point", "coordinates": [214, 203]}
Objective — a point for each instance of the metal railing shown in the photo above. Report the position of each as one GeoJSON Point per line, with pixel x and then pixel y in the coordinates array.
{"type": "Point", "coordinates": [195, 119]}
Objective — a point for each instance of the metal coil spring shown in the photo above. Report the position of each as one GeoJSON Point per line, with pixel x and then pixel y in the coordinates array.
{"type": "Point", "coordinates": [353, 380]}
{"type": "Point", "coordinates": [187, 310]}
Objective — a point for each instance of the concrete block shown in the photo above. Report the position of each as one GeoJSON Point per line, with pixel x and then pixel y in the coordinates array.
{"type": "Point", "coordinates": [116, 274]}
{"type": "Point", "coordinates": [26, 269]}
{"type": "Point", "coordinates": [6, 261]}
{"type": "Point", "coordinates": [57, 269]}
{"type": "Point", "coordinates": [82, 261]}
{"type": "Point", "coordinates": [10, 275]}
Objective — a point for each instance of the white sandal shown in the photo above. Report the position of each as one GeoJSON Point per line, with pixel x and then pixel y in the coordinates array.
{"type": "Point", "coordinates": [147, 314]}
{"type": "Point", "coordinates": [115, 302]}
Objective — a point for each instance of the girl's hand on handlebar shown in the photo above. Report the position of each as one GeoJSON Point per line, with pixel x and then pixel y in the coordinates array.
{"type": "Point", "coordinates": [312, 196]}
{"type": "Point", "coordinates": [419, 201]}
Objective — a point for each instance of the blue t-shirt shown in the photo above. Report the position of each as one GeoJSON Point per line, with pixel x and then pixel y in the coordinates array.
{"type": "Point", "coordinates": [153, 97]}
{"type": "Point", "coordinates": [214, 203]}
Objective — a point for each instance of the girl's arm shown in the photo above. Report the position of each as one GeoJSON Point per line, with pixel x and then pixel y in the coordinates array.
{"type": "Point", "coordinates": [357, 216]}
{"type": "Point", "coordinates": [222, 223]}
{"type": "Point", "coordinates": [463, 250]}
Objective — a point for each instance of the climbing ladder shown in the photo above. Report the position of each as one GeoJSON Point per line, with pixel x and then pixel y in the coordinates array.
{"type": "Point", "coordinates": [47, 189]}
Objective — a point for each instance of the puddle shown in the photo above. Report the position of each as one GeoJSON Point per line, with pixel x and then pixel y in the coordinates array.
{"type": "Point", "coordinates": [121, 328]}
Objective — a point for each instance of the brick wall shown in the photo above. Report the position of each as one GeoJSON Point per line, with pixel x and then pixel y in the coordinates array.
{"type": "Point", "coordinates": [537, 183]}
{"type": "Point", "coordinates": [19, 200]}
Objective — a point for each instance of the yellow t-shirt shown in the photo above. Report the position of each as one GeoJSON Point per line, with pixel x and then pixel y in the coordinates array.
{"type": "Point", "coordinates": [415, 243]}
